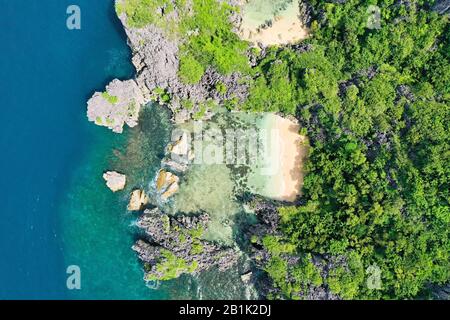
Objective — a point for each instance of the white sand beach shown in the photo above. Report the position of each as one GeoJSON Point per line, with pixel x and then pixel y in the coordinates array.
{"type": "Point", "coordinates": [286, 26]}
{"type": "Point", "coordinates": [286, 153]}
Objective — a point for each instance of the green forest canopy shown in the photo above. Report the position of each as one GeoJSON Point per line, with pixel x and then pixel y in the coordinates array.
{"type": "Point", "coordinates": [375, 105]}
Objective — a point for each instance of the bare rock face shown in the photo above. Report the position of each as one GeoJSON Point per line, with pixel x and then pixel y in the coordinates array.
{"type": "Point", "coordinates": [174, 165]}
{"type": "Point", "coordinates": [156, 57]}
{"type": "Point", "coordinates": [180, 148]}
{"type": "Point", "coordinates": [246, 277]}
{"type": "Point", "coordinates": [166, 184]}
{"type": "Point", "coordinates": [175, 246]}
{"type": "Point", "coordinates": [442, 7]}
{"type": "Point", "coordinates": [118, 105]}
{"type": "Point", "coordinates": [114, 180]}
{"type": "Point", "coordinates": [138, 200]}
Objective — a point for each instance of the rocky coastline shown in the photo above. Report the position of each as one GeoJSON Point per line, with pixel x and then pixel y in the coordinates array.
{"type": "Point", "coordinates": [173, 245]}
{"type": "Point", "coordinates": [155, 56]}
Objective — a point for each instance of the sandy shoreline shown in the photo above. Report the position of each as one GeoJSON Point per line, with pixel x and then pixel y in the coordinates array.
{"type": "Point", "coordinates": [287, 183]}
{"type": "Point", "coordinates": [281, 175]}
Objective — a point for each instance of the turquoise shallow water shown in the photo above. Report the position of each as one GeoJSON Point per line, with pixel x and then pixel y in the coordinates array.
{"type": "Point", "coordinates": [55, 208]}
{"type": "Point", "coordinates": [98, 230]}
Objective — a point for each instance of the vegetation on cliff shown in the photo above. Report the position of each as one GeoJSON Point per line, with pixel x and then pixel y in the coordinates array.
{"type": "Point", "coordinates": [204, 28]}
{"type": "Point", "coordinates": [373, 96]}
{"type": "Point", "coordinates": [375, 103]}
{"type": "Point", "coordinates": [176, 245]}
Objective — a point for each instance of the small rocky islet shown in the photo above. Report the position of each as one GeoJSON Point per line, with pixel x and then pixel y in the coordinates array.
{"type": "Point", "coordinates": [177, 246]}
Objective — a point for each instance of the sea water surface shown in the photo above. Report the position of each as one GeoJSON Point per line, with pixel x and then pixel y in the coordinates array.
{"type": "Point", "coordinates": [54, 208]}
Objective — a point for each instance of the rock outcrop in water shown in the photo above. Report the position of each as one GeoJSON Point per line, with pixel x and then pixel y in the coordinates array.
{"type": "Point", "coordinates": [114, 180]}
{"type": "Point", "coordinates": [118, 105]}
{"type": "Point", "coordinates": [138, 200]}
{"type": "Point", "coordinates": [277, 22]}
{"type": "Point", "coordinates": [175, 246]}
{"type": "Point", "coordinates": [156, 59]}
{"type": "Point", "coordinates": [441, 292]}
{"type": "Point", "coordinates": [166, 184]}
{"type": "Point", "coordinates": [179, 153]}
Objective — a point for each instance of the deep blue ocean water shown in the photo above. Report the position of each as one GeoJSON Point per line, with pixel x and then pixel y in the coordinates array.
{"type": "Point", "coordinates": [48, 147]}
{"type": "Point", "coordinates": [55, 210]}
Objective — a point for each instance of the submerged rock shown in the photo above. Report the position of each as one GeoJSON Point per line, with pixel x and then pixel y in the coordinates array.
{"type": "Point", "coordinates": [175, 246]}
{"type": "Point", "coordinates": [118, 105]}
{"type": "Point", "coordinates": [138, 200]}
{"type": "Point", "coordinates": [114, 180]}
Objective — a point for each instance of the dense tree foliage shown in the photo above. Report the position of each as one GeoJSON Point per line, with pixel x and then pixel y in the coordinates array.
{"type": "Point", "coordinates": [375, 103]}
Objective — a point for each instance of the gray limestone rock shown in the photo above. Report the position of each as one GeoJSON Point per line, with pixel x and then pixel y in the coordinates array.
{"type": "Point", "coordinates": [181, 236]}
{"type": "Point", "coordinates": [114, 180]}
{"type": "Point", "coordinates": [156, 58]}
{"type": "Point", "coordinates": [118, 105]}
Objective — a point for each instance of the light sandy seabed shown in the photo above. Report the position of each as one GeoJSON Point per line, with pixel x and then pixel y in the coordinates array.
{"type": "Point", "coordinates": [276, 174]}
